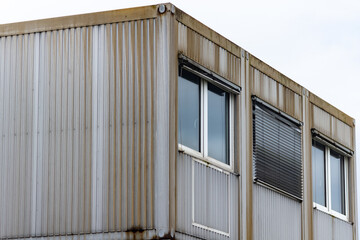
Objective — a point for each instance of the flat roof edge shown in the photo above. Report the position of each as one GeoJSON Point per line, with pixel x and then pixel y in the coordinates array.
{"type": "Point", "coordinates": [81, 20]}
{"type": "Point", "coordinates": [327, 107]}
{"type": "Point", "coordinates": [275, 74]}
{"type": "Point", "coordinates": [207, 32]}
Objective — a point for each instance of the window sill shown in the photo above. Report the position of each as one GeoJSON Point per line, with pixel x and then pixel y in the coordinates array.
{"type": "Point", "coordinates": [207, 160]}
{"type": "Point", "coordinates": [331, 212]}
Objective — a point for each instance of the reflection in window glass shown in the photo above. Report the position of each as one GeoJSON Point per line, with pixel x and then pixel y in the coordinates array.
{"type": "Point", "coordinates": [337, 182]}
{"type": "Point", "coordinates": [318, 173]}
{"type": "Point", "coordinates": [218, 124]}
{"type": "Point", "coordinates": [189, 110]}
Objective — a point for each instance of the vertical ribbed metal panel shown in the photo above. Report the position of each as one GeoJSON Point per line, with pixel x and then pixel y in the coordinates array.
{"type": "Point", "coordinates": [208, 54]}
{"type": "Point", "coordinates": [275, 216]}
{"type": "Point", "coordinates": [197, 214]}
{"type": "Point", "coordinates": [211, 197]}
{"type": "Point", "coordinates": [329, 227]}
{"type": "Point", "coordinates": [76, 123]}
{"type": "Point", "coordinates": [332, 127]}
{"type": "Point", "coordinates": [275, 93]}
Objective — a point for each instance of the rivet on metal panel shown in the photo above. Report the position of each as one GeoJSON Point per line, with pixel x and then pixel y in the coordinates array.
{"type": "Point", "coordinates": [242, 53]}
{"type": "Point", "coordinates": [247, 56]}
{"type": "Point", "coordinates": [162, 8]}
{"type": "Point", "coordinates": [172, 9]}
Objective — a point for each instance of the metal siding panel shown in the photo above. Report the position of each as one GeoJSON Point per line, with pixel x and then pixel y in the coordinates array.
{"type": "Point", "coordinates": [2, 136]}
{"type": "Point", "coordinates": [208, 54]}
{"type": "Point", "coordinates": [69, 130]}
{"type": "Point", "coordinates": [12, 217]}
{"type": "Point", "coordinates": [33, 66]}
{"type": "Point", "coordinates": [329, 227]}
{"type": "Point", "coordinates": [22, 133]}
{"type": "Point", "coordinates": [112, 113]}
{"type": "Point", "coordinates": [322, 225]}
{"type": "Point", "coordinates": [211, 182]}
{"type": "Point", "coordinates": [275, 216]}
{"type": "Point", "coordinates": [99, 130]}
{"type": "Point", "coordinates": [5, 135]}
{"type": "Point", "coordinates": [76, 214]}
{"type": "Point", "coordinates": [118, 127]}
{"type": "Point", "coordinates": [31, 118]}
{"type": "Point", "coordinates": [57, 131]}
{"type": "Point", "coordinates": [87, 67]}
{"type": "Point", "coordinates": [124, 129]}
{"type": "Point", "coordinates": [123, 162]}
{"type": "Point", "coordinates": [211, 197]}
{"type": "Point", "coordinates": [69, 98]}
{"type": "Point", "coordinates": [63, 148]}
{"type": "Point", "coordinates": [332, 127]}
{"type": "Point", "coordinates": [45, 131]}
{"type": "Point", "coordinates": [147, 234]}
{"type": "Point", "coordinates": [321, 120]}
{"type": "Point", "coordinates": [276, 94]}
{"type": "Point", "coordinates": [341, 132]}
{"type": "Point", "coordinates": [342, 230]}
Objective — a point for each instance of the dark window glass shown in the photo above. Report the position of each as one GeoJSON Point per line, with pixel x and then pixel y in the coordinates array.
{"type": "Point", "coordinates": [337, 182]}
{"type": "Point", "coordinates": [189, 110]}
{"type": "Point", "coordinates": [319, 173]}
{"type": "Point", "coordinates": [218, 124]}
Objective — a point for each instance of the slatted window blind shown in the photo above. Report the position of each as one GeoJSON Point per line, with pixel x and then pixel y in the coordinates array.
{"type": "Point", "coordinates": [276, 151]}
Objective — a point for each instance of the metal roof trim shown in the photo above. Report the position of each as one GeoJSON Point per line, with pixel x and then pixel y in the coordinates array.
{"type": "Point", "coordinates": [81, 20]}
{"type": "Point", "coordinates": [327, 107]}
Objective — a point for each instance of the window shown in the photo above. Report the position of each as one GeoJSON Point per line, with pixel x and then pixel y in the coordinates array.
{"type": "Point", "coordinates": [205, 112]}
{"type": "Point", "coordinates": [329, 172]}
{"type": "Point", "coordinates": [276, 150]}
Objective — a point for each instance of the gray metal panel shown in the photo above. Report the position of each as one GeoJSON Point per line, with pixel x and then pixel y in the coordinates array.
{"type": "Point", "coordinates": [76, 125]}
{"type": "Point", "coordinates": [212, 180]}
{"type": "Point", "coordinates": [183, 236]}
{"type": "Point", "coordinates": [208, 54]}
{"type": "Point", "coordinates": [276, 94]}
{"type": "Point", "coordinates": [332, 127]}
{"type": "Point", "coordinates": [211, 197]}
{"type": "Point", "coordinates": [275, 216]}
{"type": "Point", "coordinates": [129, 235]}
{"type": "Point", "coordinates": [329, 227]}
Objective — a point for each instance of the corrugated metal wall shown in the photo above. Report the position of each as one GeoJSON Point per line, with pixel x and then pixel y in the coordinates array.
{"type": "Point", "coordinates": [332, 127]}
{"type": "Point", "coordinates": [76, 123]}
{"type": "Point", "coordinates": [275, 93]}
{"type": "Point", "coordinates": [210, 189]}
{"type": "Point", "coordinates": [275, 216]}
{"type": "Point", "coordinates": [328, 227]}
{"type": "Point", "coordinates": [208, 195]}
{"type": "Point", "coordinates": [208, 54]}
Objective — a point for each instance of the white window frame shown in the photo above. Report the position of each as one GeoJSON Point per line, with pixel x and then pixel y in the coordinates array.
{"type": "Point", "coordinates": [203, 154]}
{"type": "Point", "coordinates": [328, 209]}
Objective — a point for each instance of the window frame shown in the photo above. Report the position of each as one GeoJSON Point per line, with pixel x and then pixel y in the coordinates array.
{"type": "Point", "coordinates": [203, 154]}
{"type": "Point", "coordinates": [328, 209]}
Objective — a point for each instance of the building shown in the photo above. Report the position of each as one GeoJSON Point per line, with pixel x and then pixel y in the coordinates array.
{"type": "Point", "coordinates": [143, 123]}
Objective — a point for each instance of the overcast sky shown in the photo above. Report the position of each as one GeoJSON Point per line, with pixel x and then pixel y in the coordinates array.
{"type": "Point", "coordinates": [316, 43]}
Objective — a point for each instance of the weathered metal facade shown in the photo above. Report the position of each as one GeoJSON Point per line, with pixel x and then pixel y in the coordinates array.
{"type": "Point", "coordinates": [77, 124]}
{"type": "Point", "coordinates": [88, 123]}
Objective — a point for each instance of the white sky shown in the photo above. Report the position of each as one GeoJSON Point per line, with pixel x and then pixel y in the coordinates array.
{"type": "Point", "coordinates": [314, 42]}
